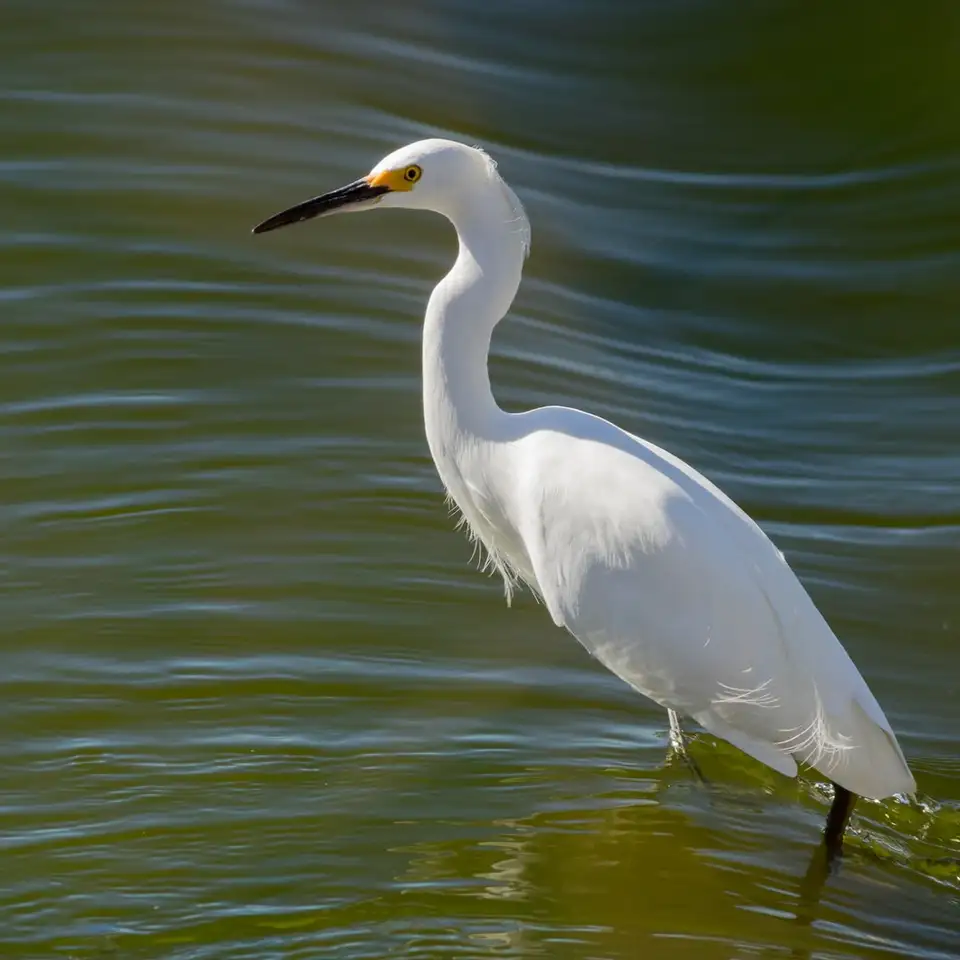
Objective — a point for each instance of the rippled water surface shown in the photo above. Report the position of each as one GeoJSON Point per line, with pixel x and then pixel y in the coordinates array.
{"type": "Point", "coordinates": [255, 701]}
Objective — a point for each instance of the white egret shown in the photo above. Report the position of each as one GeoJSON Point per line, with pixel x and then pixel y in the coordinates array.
{"type": "Point", "coordinates": [649, 565]}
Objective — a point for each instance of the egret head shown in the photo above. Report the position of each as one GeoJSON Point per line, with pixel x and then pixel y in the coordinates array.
{"type": "Point", "coordinates": [440, 175]}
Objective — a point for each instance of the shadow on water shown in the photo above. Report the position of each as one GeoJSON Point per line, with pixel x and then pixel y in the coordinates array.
{"type": "Point", "coordinates": [919, 836]}
{"type": "Point", "coordinates": [811, 890]}
{"type": "Point", "coordinates": [869, 843]}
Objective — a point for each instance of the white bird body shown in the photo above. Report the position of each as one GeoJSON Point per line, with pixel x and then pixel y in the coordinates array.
{"type": "Point", "coordinates": [650, 566]}
{"type": "Point", "coordinates": [681, 595]}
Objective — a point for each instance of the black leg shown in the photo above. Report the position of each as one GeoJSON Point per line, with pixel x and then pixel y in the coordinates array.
{"type": "Point", "coordinates": [840, 810]}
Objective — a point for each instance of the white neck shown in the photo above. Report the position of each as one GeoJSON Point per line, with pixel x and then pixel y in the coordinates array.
{"type": "Point", "coordinates": [459, 409]}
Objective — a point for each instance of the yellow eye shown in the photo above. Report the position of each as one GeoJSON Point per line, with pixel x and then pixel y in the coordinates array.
{"type": "Point", "coordinates": [400, 178]}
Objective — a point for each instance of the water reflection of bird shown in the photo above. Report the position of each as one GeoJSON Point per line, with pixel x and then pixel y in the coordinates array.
{"type": "Point", "coordinates": [657, 573]}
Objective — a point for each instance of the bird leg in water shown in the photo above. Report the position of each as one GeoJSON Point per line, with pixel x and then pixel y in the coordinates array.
{"type": "Point", "coordinates": [840, 810]}
{"type": "Point", "coordinates": [678, 744]}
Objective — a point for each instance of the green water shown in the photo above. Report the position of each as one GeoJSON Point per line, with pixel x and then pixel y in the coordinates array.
{"type": "Point", "coordinates": [255, 701]}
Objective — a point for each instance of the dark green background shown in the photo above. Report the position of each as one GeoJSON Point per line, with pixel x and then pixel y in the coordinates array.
{"type": "Point", "coordinates": [254, 700]}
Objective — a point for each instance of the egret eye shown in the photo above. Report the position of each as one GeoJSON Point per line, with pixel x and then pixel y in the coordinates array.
{"type": "Point", "coordinates": [412, 174]}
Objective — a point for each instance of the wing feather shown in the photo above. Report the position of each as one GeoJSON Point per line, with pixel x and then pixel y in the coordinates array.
{"type": "Point", "coordinates": [678, 592]}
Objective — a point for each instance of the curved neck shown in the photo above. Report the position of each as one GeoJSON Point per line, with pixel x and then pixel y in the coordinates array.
{"type": "Point", "coordinates": [458, 404]}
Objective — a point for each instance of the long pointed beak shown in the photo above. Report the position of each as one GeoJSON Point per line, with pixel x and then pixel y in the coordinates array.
{"type": "Point", "coordinates": [352, 196]}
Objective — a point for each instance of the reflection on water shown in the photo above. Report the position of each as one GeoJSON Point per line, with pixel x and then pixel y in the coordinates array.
{"type": "Point", "coordinates": [254, 700]}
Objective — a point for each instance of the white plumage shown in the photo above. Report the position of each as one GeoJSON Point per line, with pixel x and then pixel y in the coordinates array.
{"type": "Point", "coordinates": [648, 564]}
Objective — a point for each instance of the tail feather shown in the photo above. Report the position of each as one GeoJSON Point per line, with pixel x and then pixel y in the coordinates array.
{"type": "Point", "coordinates": [769, 753]}
{"type": "Point", "coordinates": [860, 754]}
{"type": "Point", "coordinates": [842, 741]}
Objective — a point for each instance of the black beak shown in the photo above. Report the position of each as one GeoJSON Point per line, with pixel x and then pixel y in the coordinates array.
{"type": "Point", "coordinates": [353, 193]}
